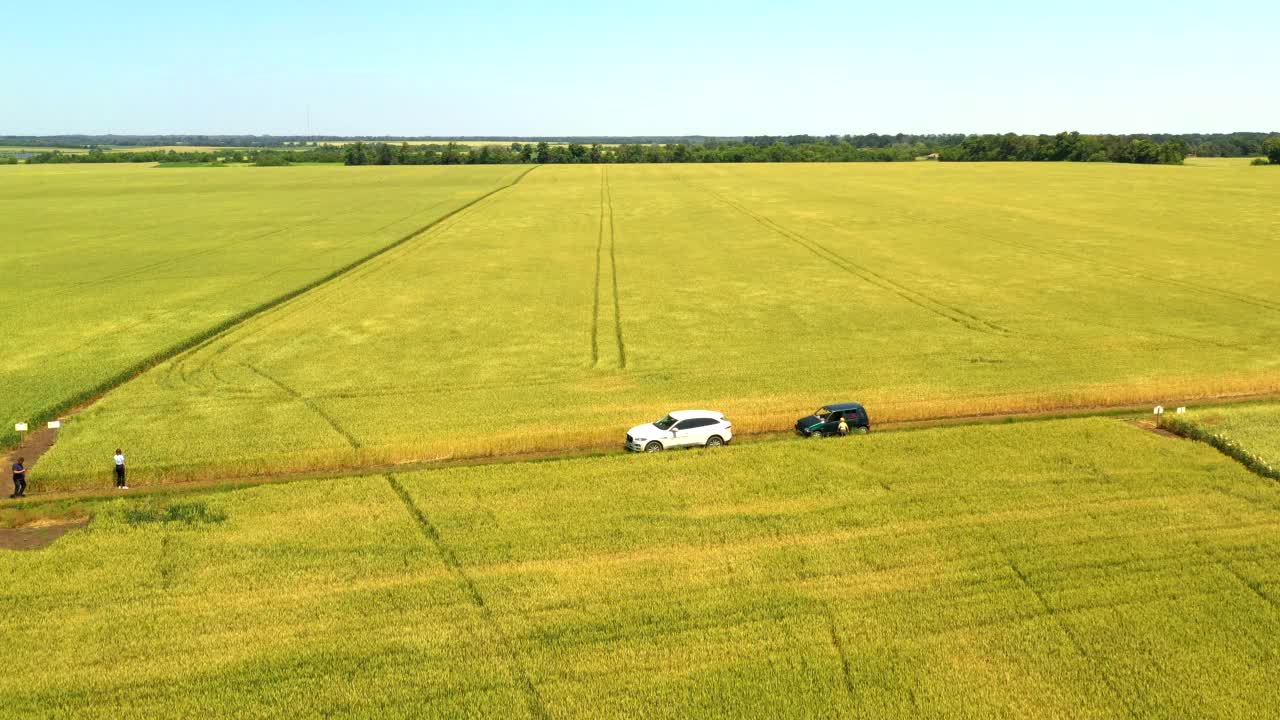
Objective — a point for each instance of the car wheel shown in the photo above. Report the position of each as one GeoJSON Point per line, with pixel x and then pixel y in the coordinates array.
{"type": "Point", "coordinates": [864, 430]}
{"type": "Point", "coordinates": [815, 434]}
{"type": "Point", "coordinates": [715, 441]}
{"type": "Point", "coordinates": [654, 446]}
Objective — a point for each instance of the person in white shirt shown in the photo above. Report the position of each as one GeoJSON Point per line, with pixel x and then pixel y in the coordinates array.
{"type": "Point", "coordinates": [120, 482]}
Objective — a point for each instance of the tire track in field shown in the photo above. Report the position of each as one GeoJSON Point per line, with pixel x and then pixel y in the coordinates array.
{"type": "Point", "coordinates": [1148, 331]}
{"type": "Point", "coordinates": [234, 336]}
{"type": "Point", "coordinates": [915, 297]}
{"type": "Point", "coordinates": [1125, 271]}
{"type": "Point", "coordinates": [166, 562]}
{"type": "Point", "coordinates": [506, 648]}
{"type": "Point", "coordinates": [606, 212]}
{"type": "Point", "coordinates": [613, 266]}
{"type": "Point", "coordinates": [846, 668]}
{"type": "Point", "coordinates": [1115, 268]}
{"type": "Point", "coordinates": [311, 405]}
{"type": "Point", "coordinates": [1065, 628]}
{"type": "Point", "coordinates": [1252, 586]}
{"type": "Point", "coordinates": [193, 343]}
{"type": "Point", "coordinates": [595, 304]}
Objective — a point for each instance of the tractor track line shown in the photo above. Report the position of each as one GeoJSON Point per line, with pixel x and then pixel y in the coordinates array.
{"type": "Point", "coordinates": [846, 667]}
{"type": "Point", "coordinates": [312, 406]}
{"type": "Point", "coordinates": [950, 312]}
{"type": "Point", "coordinates": [1073, 637]}
{"type": "Point", "coordinates": [506, 648]}
{"type": "Point", "coordinates": [1251, 585]}
{"type": "Point", "coordinates": [821, 251]}
{"type": "Point", "coordinates": [1116, 268]}
{"type": "Point", "coordinates": [229, 483]}
{"type": "Point", "coordinates": [9, 439]}
{"type": "Point", "coordinates": [1124, 271]}
{"type": "Point", "coordinates": [613, 266]}
{"type": "Point", "coordinates": [862, 273]}
{"type": "Point", "coordinates": [230, 340]}
{"type": "Point", "coordinates": [595, 301]}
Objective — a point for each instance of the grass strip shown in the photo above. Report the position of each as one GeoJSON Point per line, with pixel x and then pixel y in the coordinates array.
{"type": "Point", "coordinates": [1193, 431]}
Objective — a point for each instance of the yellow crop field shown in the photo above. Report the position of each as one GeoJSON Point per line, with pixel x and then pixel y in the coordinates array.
{"type": "Point", "coordinates": [1068, 569]}
{"type": "Point", "coordinates": [118, 264]}
{"type": "Point", "coordinates": [293, 338]}
{"type": "Point", "coordinates": [584, 299]}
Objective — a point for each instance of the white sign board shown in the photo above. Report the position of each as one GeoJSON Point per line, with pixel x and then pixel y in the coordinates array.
{"type": "Point", "coordinates": [1159, 410]}
{"type": "Point", "coordinates": [20, 427]}
{"type": "Point", "coordinates": [1180, 410]}
{"type": "Point", "coordinates": [55, 424]}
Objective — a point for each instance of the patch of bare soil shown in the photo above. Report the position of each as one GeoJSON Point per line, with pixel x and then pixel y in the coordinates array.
{"type": "Point", "coordinates": [38, 534]}
{"type": "Point", "coordinates": [1151, 427]}
{"type": "Point", "coordinates": [36, 443]}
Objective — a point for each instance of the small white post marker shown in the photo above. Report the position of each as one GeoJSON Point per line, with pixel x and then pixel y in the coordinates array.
{"type": "Point", "coordinates": [1180, 410]}
{"type": "Point", "coordinates": [55, 424]}
{"type": "Point", "coordinates": [1158, 411]}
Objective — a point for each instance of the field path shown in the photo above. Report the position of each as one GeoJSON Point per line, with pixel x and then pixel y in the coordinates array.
{"type": "Point", "coordinates": [1123, 413]}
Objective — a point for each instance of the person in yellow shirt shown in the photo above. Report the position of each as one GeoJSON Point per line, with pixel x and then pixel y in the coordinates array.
{"type": "Point", "coordinates": [843, 427]}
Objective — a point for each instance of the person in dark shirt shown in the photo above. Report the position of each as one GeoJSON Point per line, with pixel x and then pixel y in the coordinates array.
{"type": "Point", "coordinates": [19, 478]}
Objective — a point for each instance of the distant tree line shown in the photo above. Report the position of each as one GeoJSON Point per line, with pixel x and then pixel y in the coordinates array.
{"type": "Point", "coordinates": [1063, 147]}
{"type": "Point", "coordinates": [97, 155]}
{"type": "Point", "coordinates": [257, 156]}
{"type": "Point", "coordinates": [872, 140]}
{"type": "Point", "coordinates": [85, 142]}
{"type": "Point", "coordinates": [1236, 144]}
{"type": "Point", "coordinates": [380, 153]}
{"type": "Point", "coordinates": [577, 153]}
{"type": "Point", "coordinates": [1067, 147]}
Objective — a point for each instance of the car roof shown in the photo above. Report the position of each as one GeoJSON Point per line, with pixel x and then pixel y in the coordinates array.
{"type": "Point", "coordinates": [837, 407]}
{"type": "Point", "coordinates": [685, 414]}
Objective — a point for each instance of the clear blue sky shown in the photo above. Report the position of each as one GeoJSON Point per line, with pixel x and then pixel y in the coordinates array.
{"type": "Point", "coordinates": [482, 67]}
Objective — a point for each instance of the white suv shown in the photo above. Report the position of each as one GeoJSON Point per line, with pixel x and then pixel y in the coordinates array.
{"type": "Point", "coordinates": [682, 428]}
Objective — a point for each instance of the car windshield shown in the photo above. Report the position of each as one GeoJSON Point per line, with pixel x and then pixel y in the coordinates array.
{"type": "Point", "coordinates": [665, 423]}
{"type": "Point", "coordinates": [821, 413]}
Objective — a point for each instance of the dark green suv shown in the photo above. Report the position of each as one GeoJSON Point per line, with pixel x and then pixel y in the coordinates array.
{"type": "Point", "coordinates": [826, 420]}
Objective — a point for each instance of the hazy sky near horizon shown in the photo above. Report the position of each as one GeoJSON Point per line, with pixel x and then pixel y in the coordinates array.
{"type": "Point", "coordinates": [658, 67]}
